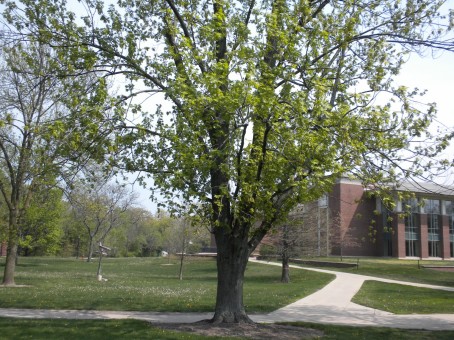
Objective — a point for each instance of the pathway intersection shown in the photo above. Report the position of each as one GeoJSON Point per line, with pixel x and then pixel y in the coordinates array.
{"type": "Point", "coordinates": [331, 304]}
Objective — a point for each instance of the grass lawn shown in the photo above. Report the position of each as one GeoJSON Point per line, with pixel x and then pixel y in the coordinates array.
{"type": "Point", "coordinates": [134, 329]}
{"type": "Point", "coordinates": [147, 284]}
{"type": "Point", "coordinates": [404, 270]}
{"type": "Point", "coordinates": [88, 330]}
{"type": "Point", "coordinates": [401, 299]}
{"type": "Point", "coordinates": [375, 333]}
{"type": "Point", "coordinates": [151, 284]}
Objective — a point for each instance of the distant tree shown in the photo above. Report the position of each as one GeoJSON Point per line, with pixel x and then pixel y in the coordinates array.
{"type": "Point", "coordinates": [135, 234]}
{"type": "Point", "coordinates": [41, 231]}
{"type": "Point", "coordinates": [185, 235]}
{"type": "Point", "coordinates": [98, 205]}
{"type": "Point", "coordinates": [307, 231]}
{"type": "Point", "coordinates": [74, 238]}
{"type": "Point", "coordinates": [290, 235]}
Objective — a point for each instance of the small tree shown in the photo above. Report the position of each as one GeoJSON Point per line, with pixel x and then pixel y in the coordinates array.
{"type": "Point", "coordinates": [290, 236]}
{"type": "Point", "coordinates": [98, 205]}
{"type": "Point", "coordinates": [184, 242]}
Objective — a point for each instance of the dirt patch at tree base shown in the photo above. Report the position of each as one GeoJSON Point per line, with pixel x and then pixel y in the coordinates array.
{"type": "Point", "coordinates": [252, 331]}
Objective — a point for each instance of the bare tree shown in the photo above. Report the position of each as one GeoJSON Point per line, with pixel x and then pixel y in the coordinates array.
{"type": "Point", "coordinates": [98, 205]}
{"type": "Point", "coordinates": [305, 232]}
{"type": "Point", "coordinates": [290, 240]}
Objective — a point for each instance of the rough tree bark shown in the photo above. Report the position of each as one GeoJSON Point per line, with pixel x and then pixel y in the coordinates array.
{"type": "Point", "coordinates": [11, 253]}
{"type": "Point", "coordinates": [233, 255]}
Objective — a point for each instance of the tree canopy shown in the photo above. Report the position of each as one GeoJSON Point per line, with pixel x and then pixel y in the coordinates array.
{"type": "Point", "coordinates": [269, 101]}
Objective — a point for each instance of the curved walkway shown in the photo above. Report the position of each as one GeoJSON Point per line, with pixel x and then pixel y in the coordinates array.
{"type": "Point", "coordinates": [331, 304]}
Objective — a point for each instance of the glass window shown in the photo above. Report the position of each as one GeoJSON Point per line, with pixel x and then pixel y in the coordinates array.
{"type": "Point", "coordinates": [410, 205]}
{"type": "Point", "coordinates": [450, 213]}
{"type": "Point", "coordinates": [449, 207]}
{"type": "Point", "coordinates": [411, 228]}
{"type": "Point", "coordinates": [432, 209]}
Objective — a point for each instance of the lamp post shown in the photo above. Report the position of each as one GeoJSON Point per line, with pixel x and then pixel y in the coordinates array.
{"type": "Point", "coordinates": [102, 251]}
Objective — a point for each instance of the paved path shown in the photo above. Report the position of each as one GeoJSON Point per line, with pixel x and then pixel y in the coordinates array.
{"type": "Point", "coordinates": [332, 304]}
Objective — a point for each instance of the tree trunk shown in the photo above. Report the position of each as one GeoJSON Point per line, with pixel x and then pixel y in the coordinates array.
{"type": "Point", "coordinates": [180, 276]}
{"type": "Point", "coordinates": [78, 248]}
{"type": "Point", "coordinates": [10, 264]}
{"type": "Point", "coordinates": [285, 277]}
{"type": "Point", "coordinates": [11, 253]}
{"type": "Point", "coordinates": [90, 249]}
{"type": "Point", "coordinates": [232, 258]}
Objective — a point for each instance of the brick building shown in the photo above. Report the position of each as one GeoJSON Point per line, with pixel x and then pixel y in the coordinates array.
{"type": "Point", "coordinates": [351, 221]}
{"type": "Point", "coordinates": [2, 248]}
{"type": "Point", "coordinates": [421, 227]}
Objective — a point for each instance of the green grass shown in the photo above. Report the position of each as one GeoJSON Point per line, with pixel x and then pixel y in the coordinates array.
{"type": "Point", "coordinates": [134, 329]}
{"type": "Point", "coordinates": [404, 270]}
{"type": "Point", "coordinates": [88, 330]}
{"type": "Point", "coordinates": [147, 284]}
{"type": "Point", "coordinates": [401, 299]}
{"type": "Point", "coordinates": [374, 333]}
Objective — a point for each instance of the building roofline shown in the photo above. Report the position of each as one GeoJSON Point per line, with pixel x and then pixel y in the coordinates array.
{"type": "Point", "coordinates": [419, 188]}
{"type": "Point", "coordinates": [427, 188]}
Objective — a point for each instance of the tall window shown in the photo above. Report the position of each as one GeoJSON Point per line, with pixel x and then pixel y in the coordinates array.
{"type": "Point", "coordinates": [432, 209]}
{"type": "Point", "coordinates": [450, 213]}
{"type": "Point", "coordinates": [411, 228]}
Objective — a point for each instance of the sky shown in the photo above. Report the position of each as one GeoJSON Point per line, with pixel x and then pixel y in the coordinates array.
{"type": "Point", "coordinates": [436, 75]}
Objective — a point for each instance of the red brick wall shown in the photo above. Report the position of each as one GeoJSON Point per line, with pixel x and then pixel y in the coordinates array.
{"type": "Point", "coordinates": [355, 213]}
{"type": "Point", "coordinates": [424, 252]}
{"type": "Point", "coordinates": [399, 236]}
{"type": "Point", "coordinates": [445, 246]}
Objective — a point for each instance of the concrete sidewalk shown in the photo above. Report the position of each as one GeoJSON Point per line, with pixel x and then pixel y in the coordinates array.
{"type": "Point", "coordinates": [332, 304]}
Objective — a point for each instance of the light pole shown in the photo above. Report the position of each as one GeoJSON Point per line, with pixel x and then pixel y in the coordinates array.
{"type": "Point", "coordinates": [102, 251]}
